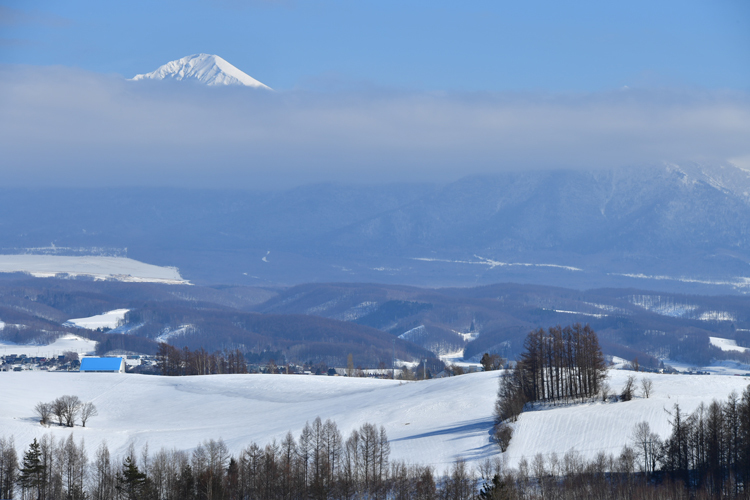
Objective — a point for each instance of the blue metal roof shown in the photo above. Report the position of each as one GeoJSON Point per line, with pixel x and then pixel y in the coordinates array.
{"type": "Point", "coordinates": [100, 364]}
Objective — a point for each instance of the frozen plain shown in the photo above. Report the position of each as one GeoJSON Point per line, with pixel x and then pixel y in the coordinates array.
{"type": "Point", "coordinates": [430, 422]}
{"type": "Point", "coordinates": [96, 267]}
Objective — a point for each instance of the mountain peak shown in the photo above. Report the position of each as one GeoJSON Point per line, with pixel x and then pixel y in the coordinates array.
{"type": "Point", "coordinates": [205, 68]}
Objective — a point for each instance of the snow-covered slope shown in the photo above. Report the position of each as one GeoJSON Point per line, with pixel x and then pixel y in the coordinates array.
{"type": "Point", "coordinates": [727, 344]}
{"type": "Point", "coordinates": [205, 68]}
{"type": "Point", "coordinates": [109, 319]}
{"type": "Point", "coordinates": [431, 422]}
{"type": "Point", "coordinates": [61, 345]}
{"type": "Point", "coordinates": [97, 267]}
{"type": "Point", "coordinates": [607, 427]}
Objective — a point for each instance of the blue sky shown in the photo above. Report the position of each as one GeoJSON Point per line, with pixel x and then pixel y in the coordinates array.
{"type": "Point", "coordinates": [552, 46]}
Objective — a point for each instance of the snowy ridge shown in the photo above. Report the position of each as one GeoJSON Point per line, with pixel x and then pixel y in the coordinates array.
{"type": "Point", "coordinates": [357, 311]}
{"type": "Point", "coordinates": [415, 334]}
{"type": "Point", "coordinates": [168, 333]}
{"type": "Point", "coordinates": [205, 68]}
{"type": "Point", "coordinates": [666, 306]}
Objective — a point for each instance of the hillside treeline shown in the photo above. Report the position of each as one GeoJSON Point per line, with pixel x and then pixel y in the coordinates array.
{"type": "Point", "coordinates": [706, 456]}
{"type": "Point", "coordinates": [707, 449]}
{"type": "Point", "coordinates": [319, 464]}
{"type": "Point", "coordinates": [495, 319]}
{"type": "Point", "coordinates": [176, 362]}
{"type": "Point", "coordinates": [301, 339]}
{"type": "Point", "coordinates": [558, 364]}
{"type": "Point", "coordinates": [630, 323]}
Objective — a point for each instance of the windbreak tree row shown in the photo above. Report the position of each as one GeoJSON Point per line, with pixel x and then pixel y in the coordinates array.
{"type": "Point", "coordinates": [558, 364]}
{"type": "Point", "coordinates": [172, 361]}
{"type": "Point", "coordinates": [562, 364]}
{"type": "Point", "coordinates": [707, 449]}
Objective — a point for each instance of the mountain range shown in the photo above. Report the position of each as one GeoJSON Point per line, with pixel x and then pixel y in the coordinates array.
{"type": "Point", "coordinates": [683, 228]}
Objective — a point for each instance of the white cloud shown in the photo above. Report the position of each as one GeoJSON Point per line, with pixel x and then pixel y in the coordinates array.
{"type": "Point", "coordinates": [62, 126]}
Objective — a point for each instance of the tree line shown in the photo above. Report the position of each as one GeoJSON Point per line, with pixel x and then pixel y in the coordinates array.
{"type": "Point", "coordinates": [708, 449]}
{"type": "Point", "coordinates": [172, 361]}
{"type": "Point", "coordinates": [558, 364]}
{"type": "Point", "coordinates": [706, 456]}
{"type": "Point", "coordinates": [319, 464]}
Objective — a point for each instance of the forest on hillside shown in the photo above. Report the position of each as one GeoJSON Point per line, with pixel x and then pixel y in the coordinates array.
{"type": "Point", "coordinates": [317, 323]}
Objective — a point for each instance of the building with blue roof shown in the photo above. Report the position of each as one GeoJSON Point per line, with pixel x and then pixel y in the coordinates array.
{"type": "Point", "coordinates": [103, 365]}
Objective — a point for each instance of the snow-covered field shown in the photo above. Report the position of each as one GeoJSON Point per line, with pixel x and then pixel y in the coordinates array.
{"type": "Point", "coordinates": [431, 422]}
{"type": "Point", "coordinates": [724, 367]}
{"type": "Point", "coordinates": [457, 358]}
{"type": "Point", "coordinates": [119, 268]}
{"type": "Point", "coordinates": [68, 342]}
{"type": "Point", "coordinates": [109, 319]}
{"type": "Point", "coordinates": [591, 428]}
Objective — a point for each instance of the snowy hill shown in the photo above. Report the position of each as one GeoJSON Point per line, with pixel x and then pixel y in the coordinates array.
{"type": "Point", "coordinates": [205, 68]}
{"type": "Point", "coordinates": [431, 422]}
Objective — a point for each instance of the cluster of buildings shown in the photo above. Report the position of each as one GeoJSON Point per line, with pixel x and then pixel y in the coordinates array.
{"type": "Point", "coordinates": [21, 362]}
{"type": "Point", "coordinates": [112, 364]}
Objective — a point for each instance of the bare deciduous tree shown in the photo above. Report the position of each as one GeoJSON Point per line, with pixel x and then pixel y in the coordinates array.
{"type": "Point", "coordinates": [88, 410]}
{"type": "Point", "coordinates": [647, 386]}
{"type": "Point", "coordinates": [43, 411]}
{"type": "Point", "coordinates": [58, 410]}
{"type": "Point", "coordinates": [628, 389]}
{"type": "Point", "coordinates": [71, 406]}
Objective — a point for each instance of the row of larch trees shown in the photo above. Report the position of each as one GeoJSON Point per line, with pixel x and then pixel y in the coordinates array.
{"type": "Point", "coordinates": [172, 361]}
{"type": "Point", "coordinates": [320, 464]}
{"type": "Point", "coordinates": [558, 364]}
{"type": "Point", "coordinates": [708, 449]}
{"type": "Point", "coordinates": [562, 364]}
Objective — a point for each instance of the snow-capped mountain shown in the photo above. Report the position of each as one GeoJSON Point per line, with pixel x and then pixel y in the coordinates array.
{"type": "Point", "coordinates": [205, 68]}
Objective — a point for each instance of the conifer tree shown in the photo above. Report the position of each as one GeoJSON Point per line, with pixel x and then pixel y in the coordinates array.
{"type": "Point", "coordinates": [131, 482]}
{"type": "Point", "coordinates": [33, 474]}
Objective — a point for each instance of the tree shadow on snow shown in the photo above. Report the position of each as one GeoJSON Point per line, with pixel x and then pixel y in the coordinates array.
{"type": "Point", "coordinates": [479, 426]}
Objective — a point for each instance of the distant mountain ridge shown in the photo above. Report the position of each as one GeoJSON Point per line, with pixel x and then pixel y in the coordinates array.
{"type": "Point", "coordinates": [204, 68]}
{"type": "Point", "coordinates": [684, 228]}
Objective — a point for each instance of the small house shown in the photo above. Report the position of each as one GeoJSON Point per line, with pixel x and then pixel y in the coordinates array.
{"type": "Point", "coordinates": [103, 365]}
